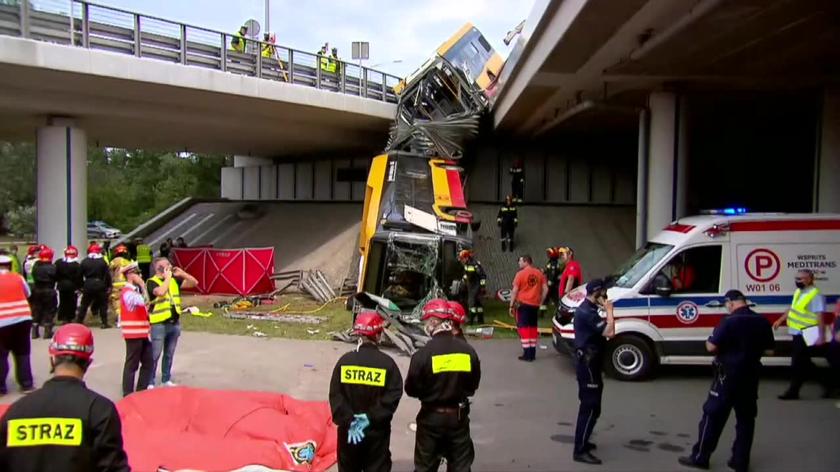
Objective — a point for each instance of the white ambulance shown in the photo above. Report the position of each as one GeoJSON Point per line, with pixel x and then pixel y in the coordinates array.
{"type": "Point", "coordinates": [669, 296]}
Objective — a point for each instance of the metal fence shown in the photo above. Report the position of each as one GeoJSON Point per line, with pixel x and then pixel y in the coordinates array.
{"type": "Point", "coordinates": [92, 26]}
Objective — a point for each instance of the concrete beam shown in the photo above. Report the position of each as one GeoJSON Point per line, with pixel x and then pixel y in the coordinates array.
{"type": "Point", "coordinates": [827, 168]}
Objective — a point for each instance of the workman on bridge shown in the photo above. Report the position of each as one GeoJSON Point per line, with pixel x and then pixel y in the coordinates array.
{"type": "Point", "coordinates": [507, 219]}
{"type": "Point", "coordinates": [68, 275]}
{"type": "Point", "coordinates": [64, 426]}
{"type": "Point", "coordinates": [324, 58]}
{"type": "Point", "coordinates": [443, 374]}
{"type": "Point", "coordinates": [474, 283]}
{"type": "Point", "coordinates": [164, 288]}
{"type": "Point", "coordinates": [517, 180]}
{"type": "Point", "coordinates": [121, 259]}
{"type": "Point", "coordinates": [15, 322]}
{"type": "Point", "coordinates": [44, 299]}
{"type": "Point", "coordinates": [238, 42]}
{"type": "Point", "coordinates": [365, 391]}
{"type": "Point", "coordinates": [144, 258]}
{"type": "Point", "coordinates": [553, 269]}
{"type": "Point", "coordinates": [95, 286]}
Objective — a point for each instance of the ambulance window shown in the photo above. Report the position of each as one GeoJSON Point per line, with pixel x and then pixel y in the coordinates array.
{"type": "Point", "coordinates": [695, 270]}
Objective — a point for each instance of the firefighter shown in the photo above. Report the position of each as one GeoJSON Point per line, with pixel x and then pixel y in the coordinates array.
{"type": "Point", "coordinates": [121, 259]}
{"type": "Point", "coordinates": [507, 219]}
{"type": "Point", "coordinates": [44, 299]}
{"type": "Point", "coordinates": [31, 258]}
{"type": "Point", "coordinates": [64, 425]}
{"type": "Point", "coordinates": [517, 180]}
{"type": "Point", "coordinates": [95, 287]}
{"type": "Point", "coordinates": [443, 374]}
{"type": "Point", "coordinates": [365, 391]}
{"type": "Point", "coordinates": [475, 282]}
{"type": "Point", "coordinates": [15, 320]}
{"type": "Point", "coordinates": [68, 274]}
{"type": "Point", "coordinates": [459, 317]}
{"type": "Point", "coordinates": [553, 270]}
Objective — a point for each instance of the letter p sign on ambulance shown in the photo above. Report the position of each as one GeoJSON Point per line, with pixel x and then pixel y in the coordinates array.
{"type": "Point", "coordinates": [762, 265]}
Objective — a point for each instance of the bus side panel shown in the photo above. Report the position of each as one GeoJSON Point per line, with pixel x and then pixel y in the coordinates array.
{"type": "Point", "coordinates": [371, 211]}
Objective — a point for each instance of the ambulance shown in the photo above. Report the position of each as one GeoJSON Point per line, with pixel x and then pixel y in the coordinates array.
{"type": "Point", "coordinates": [668, 297]}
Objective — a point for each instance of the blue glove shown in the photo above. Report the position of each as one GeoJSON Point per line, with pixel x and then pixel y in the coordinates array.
{"type": "Point", "coordinates": [356, 433]}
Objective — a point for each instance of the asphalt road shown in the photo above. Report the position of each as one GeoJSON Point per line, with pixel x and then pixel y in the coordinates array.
{"type": "Point", "coordinates": [523, 415]}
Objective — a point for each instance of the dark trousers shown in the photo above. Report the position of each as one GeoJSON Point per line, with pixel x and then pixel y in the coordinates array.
{"type": "Point", "coordinates": [726, 394]}
{"type": "Point", "coordinates": [517, 188]}
{"type": "Point", "coordinates": [833, 358]}
{"type": "Point", "coordinates": [443, 435]}
{"type": "Point", "coordinates": [526, 324]}
{"type": "Point", "coordinates": [474, 306]}
{"type": "Point", "coordinates": [144, 269]}
{"type": "Point", "coordinates": [590, 389]}
{"type": "Point", "coordinates": [44, 307]}
{"type": "Point", "coordinates": [373, 454]}
{"type": "Point", "coordinates": [553, 295]}
{"type": "Point", "coordinates": [507, 237]}
{"type": "Point", "coordinates": [97, 300]}
{"type": "Point", "coordinates": [801, 366]}
{"type": "Point", "coordinates": [15, 339]}
{"type": "Point", "coordinates": [138, 352]}
{"type": "Point", "coordinates": [67, 305]}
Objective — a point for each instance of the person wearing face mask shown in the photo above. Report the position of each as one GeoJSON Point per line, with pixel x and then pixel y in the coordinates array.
{"type": "Point", "coordinates": [443, 374]}
{"type": "Point", "coordinates": [591, 334]}
{"type": "Point", "coordinates": [738, 343]}
{"type": "Point", "coordinates": [805, 311]}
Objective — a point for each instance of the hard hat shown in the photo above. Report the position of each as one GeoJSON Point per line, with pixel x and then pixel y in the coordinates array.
{"type": "Point", "coordinates": [368, 323]}
{"type": "Point", "coordinates": [72, 339]}
{"type": "Point", "coordinates": [33, 250]}
{"type": "Point", "coordinates": [5, 260]}
{"type": "Point", "coordinates": [437, 308]}
{"type": "Point", "coordinates": [131, 266]}
{"type": "Point", "coordinates": [71, 251]}
{"type": "Point", "coordinates": [46, 254]}
{"type": "Point", "coordinates": [94, 249]}
{"type": "Point", "coordinates": [552, 252]}
{"type": "Point", "coordinates": [120, 249]}
{"type": "Point", "coordinates": [465, 254]}
{"type": "Point", "coordinates": [459, 315]}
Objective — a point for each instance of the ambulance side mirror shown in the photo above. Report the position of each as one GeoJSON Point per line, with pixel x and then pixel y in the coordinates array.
{"type": "Point", "coordinates": [662, 285]}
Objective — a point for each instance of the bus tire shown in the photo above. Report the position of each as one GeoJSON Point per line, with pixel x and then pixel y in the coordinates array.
{"type": "Point", "coordinates": [629, 357]}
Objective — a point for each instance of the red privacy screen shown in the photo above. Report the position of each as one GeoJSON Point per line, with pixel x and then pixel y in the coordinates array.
{"type": "Point", "coordinates": [228, 271]}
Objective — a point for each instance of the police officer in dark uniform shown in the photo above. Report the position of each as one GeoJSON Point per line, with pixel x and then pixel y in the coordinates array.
{"type": "Point", "coordinates": [44, 299]}
{"type": "Point", "coordinates": [365, 391]}
{"type": "Point", "coordinates": [63, 426]}
{"type": "Point", "coordinates": [738, 343]}
{"type": "Point", "coordinates": [443, 374]}
{"type": "Point", "coordinates": [474, 284]}
{"type": "Point", "coordinates": [96, 286]}
{"type": "Point", "coordinates": [591, 334]}
{"type": "Point", "coordinates": [507, 219]}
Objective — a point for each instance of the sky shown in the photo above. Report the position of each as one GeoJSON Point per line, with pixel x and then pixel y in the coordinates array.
{"type": "Point", "coordinates": [406, 31]}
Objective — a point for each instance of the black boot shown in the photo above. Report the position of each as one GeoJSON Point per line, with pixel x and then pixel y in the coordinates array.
{"type": "Point", "coordinates": [504, 245]}
{"type": "Point", "coordinates": [48, 331]}
{"type": "Point", "coordinates": [35, 332]}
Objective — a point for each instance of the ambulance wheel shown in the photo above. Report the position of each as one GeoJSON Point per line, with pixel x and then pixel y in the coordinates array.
{"type": "Point", "coordinates": [629, 357]}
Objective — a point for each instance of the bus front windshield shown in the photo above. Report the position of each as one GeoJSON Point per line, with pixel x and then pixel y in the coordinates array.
{"type": "Point", "coordinates": [640, 264]}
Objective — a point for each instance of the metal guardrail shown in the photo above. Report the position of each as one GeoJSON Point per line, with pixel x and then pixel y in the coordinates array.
{"type": "Point", "coordinates": [85, 24]}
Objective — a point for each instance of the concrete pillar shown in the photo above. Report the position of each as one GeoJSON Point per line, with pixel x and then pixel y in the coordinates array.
{"type": "Point", "coordinates": [827, 168]}
{"type": "Point", "coordinates": [62, 185]}
{"type": "Point", "coordinates": [251, 161]}
{"type": "Point", "coordinates": [641, 179]}
{"type": "Point", "coordinates": [667, 176]}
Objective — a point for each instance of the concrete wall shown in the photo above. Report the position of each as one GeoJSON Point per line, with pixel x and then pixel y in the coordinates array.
{"type": "Point", "coordinates": [827, 190]}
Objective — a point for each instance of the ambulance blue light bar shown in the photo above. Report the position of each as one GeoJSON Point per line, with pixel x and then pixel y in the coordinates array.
{"type": "Point", "coordinates": [726, 211]}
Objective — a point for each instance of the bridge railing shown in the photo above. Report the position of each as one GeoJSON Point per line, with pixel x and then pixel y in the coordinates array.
{"type": "Point", "coordinates": [89, 25]}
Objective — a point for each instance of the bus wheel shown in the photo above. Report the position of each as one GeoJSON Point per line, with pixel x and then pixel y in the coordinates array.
{"type": "Point", "coordinates": [629, 357]}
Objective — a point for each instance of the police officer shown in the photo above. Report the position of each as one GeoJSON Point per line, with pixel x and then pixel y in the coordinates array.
{"type": "Point", "coordinates": [63, 425]}
{"type": "Point", "coordinates": [443, 374]}
{"type": "Point", "coordinates": [738, 343]}
{"type": "Point", "coordinates": [507, 219]}
{"type": "Point", "coordinates": [475, 282]}
{"type": "Point", "coordinates": [96, 285]}
{"type": "Point", "coordinates": [44, 299]}
{"type": "Point", "coordinates": [365, 391]}
{"type": "Point", "coordinates": [591, 334]}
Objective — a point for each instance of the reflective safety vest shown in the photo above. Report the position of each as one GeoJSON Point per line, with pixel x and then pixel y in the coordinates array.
{"type": "Point", "coordinates": [162, 310]}
{"type": "Point", "coordinates": [134, 323]}
{"type": "Point", "coordinates": [13, 304]}
{"type": "Point", "coordinates": [15, 264]}
{"type": "Point", "coordinates": [117, 279]}
{"type": "Point", "coordinates": [144, 254]}
{"type": "Point", "coordinates": [325, 62]}
{"type": "Point", "coordinates": [799, 317]}
{"type": "Point", "coordinates": [238, 43]}
{"type": "Point", "coordinates": [268, 51]}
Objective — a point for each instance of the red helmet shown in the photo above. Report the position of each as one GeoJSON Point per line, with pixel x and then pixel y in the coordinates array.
{"type": "Point", "coordinates": [121, 249]}
{"type": "Point", "coordinates": [33, 250]}
{"type": "Point", "coordinates": [464, 254]}
{"type": "Point", "coordinates": [368, 323]}
{"type": "Point", "coordinates": [94, 249]}
{"type": "Point", "coordinates": [71, 251]}
{"type": "Point", "coordinates": [552, 253]}
{"type": "Point", "coordinates": [437, 308]}
{"type": "Point", "coordinates": [46, 254]}
{"type": "Point", "coordinates": [72, 339]}
{"type": "Point", "coordinates": [459, 315]}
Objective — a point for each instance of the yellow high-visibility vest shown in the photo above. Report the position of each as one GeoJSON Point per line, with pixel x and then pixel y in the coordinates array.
{"type": "Point", "coordinates": [238, 46]}
{"type": "Point", "coordinates": [163, 305]}
{"type": "Point", "coordinates": [799, 317]}
{"type": "Point", "coordinates": [144, 254]}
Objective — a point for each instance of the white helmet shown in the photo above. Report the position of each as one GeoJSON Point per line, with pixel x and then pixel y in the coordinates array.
{"type": "Point", "coordinates": [5, 260]}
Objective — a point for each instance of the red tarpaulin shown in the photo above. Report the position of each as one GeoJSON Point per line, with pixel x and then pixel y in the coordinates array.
{"type": "Point", "coordinates": [228, 271]}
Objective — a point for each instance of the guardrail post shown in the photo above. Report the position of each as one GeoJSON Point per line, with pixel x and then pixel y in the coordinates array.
{"type": "Point", "coordinates": [343, 77]}
{"type": "Point", "coordinates": [137, 37]}
{"type": "Point", "coordinates": [384, 85]}
{"type": "Point", "coordinates": [24, 18]}
{"type": "Point", "coordinates": [318, 71]}
{"type": "Point", "coordinates": [259, 60]}
{"type": "Point", "coordinates": [72, 34]}
{"type": "Point", "coordinates": [183, 43]}
{"type": "Point", "coordinates": [85, 25]}
{"type": "Point", "coordinates": [223, 55]}
{"type": "Point", "coordinates": [291, 66]}
{"type": "Point", "coordinates": [363, 84]}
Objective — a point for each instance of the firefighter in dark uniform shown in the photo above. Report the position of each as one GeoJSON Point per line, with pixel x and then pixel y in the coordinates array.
{"type": "Point", "coordinates": [443, 374]}
{"type": "Point", "coordinates": [591, 334]}
{"type": "Point", "coordinates": [738, 343]}
{"type": "Point", "coordinates": [63, 426]}
{"type": "Point", "coordinates": [44, 299]}
{"type": "Point", "coordinates": [553, 269]}
{"type": "Point", "coordinates": [517, 180]}
{"type": "Point", "coordinates": [474, 284]}
{"type": "Point", "coordinates": [96, 286]}
{"type": "Point", "coordinates": [365, 391]}
{"type": "Point", "coordinates": [507, 219]}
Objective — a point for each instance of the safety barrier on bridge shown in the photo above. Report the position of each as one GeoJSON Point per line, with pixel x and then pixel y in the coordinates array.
{"type": "Point", "coordinates": [92, 26]}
